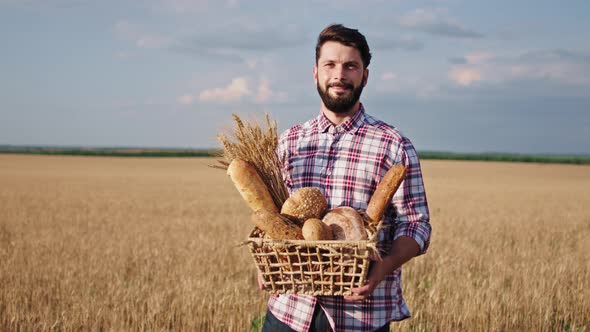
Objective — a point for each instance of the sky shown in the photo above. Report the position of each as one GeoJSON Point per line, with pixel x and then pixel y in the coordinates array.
{"type": "Point", "coordinates": [452, 75]}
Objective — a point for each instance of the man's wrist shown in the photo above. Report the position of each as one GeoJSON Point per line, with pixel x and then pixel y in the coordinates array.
{"type": "Point", "coordinates": [403, 249]}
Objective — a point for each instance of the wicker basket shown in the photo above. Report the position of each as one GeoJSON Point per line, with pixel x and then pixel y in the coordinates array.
{"type": "Point", "coordinates": [313, 267]}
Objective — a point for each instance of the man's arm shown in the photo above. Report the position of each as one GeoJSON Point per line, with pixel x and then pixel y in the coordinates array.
{"type": "Point", "coordinates": [412, 224]}
{"type": "Point", "coordinates": [403, 249]}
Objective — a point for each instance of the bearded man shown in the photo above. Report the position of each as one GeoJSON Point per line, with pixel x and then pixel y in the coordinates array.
{"type": "Point", "coordinates": [345, 152]}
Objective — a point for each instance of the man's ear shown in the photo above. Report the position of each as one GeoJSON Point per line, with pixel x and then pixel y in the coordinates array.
{"type": "Point", "coordinates": [315, 74]}
{"type": "Point", "coordinates": [366, 77]}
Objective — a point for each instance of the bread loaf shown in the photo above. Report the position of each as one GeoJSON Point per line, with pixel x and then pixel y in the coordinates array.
{"type": "Point", "coordinates": [384, 193]}
{"type": "Point", "coordinates": [304, 204]}
{"type": "Point", "coordinates": [315, 230]}
{"type": "Point", "coordinates": [346, 224]}
{"type": "Point", "coordinates": [250, 185]}
{"type": "Point", "coordinates": [275, 226]}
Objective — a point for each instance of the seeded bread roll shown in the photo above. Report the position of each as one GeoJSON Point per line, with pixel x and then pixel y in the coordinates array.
{"type": "Point", "coordinates": [305, 203]}
{"type": "Point", "coordinates": [346, 224]}
{"type": "Point", "coordinates": [384, 193]}
{"type": "Point", "coordinates": [250, 185]}
{"type": "Point", "coordinates": [276, 226]}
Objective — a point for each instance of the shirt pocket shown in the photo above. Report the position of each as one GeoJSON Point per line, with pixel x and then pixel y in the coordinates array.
{"type": "Point", "coordinates": [304, 170]}
{"type": "Point", "coordinates": [364, 179]}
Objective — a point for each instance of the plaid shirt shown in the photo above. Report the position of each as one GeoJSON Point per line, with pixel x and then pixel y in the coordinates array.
{"type": "Point", "coordinates": [346, 162]}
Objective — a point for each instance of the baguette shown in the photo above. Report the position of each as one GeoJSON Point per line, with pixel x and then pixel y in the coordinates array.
{"type": "Point", "coordinates": [276, 226]}
{"type": "Point", "coordinates": [251, 186]}
{"type": "Point", "coordinates": [384, 193]}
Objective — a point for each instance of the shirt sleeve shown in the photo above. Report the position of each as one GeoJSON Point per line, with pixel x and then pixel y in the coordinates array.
{"type": "Point", "coordinates": [412, 218]}
{"type": "Point", "coordinates": [284, 142]}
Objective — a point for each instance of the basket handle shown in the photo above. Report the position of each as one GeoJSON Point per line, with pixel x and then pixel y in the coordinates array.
{"type": "Point", "coordinates": [256, 241]}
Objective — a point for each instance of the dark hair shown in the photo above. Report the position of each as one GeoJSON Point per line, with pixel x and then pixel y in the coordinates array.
{"type": "Point", "coordinates": [345, 36]}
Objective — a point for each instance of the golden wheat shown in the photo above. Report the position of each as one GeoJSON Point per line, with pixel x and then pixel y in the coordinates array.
{"type": "Point", "coordinates": [256, 145]}
{"type": "Point", "coordinates": [127, 244]}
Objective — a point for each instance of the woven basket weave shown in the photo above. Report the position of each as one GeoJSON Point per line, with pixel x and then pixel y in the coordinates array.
{"type": "Point", "coordinates": [312, 267]}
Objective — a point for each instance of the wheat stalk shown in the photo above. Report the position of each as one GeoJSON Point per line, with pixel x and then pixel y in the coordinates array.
{"type": "Point", "coordinates": [256, 145]}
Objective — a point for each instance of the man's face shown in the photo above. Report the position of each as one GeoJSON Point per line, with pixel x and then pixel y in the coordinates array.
{"type": "Point", "coordinates": [339, 76]}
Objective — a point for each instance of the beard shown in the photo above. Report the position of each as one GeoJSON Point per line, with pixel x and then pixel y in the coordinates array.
{"type": "Point", "coordinates": [340, 104]}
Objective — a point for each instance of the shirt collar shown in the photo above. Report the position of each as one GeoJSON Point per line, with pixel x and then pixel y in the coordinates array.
{"type": "Point", "coordinates": [350, 126]}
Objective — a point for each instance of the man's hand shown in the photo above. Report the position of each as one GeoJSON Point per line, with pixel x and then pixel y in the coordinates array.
{"type": "Point", "coordinates": [374, 278]}
{"type": "Point", "coordinates": [260, 281]}
{"type": "Point", "coordinates": [403, 249]}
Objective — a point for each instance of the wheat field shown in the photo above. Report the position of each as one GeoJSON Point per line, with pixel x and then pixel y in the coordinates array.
{"type": "Point", "coordinates": [140, 244]}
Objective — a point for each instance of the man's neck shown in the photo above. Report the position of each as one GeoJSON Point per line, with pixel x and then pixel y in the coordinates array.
{"type": "Point", "coordinates": [339, 118]}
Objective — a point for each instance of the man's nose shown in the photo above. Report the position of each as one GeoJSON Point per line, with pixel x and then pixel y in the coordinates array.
{"type": "Point", "coordinates": [339, 73]}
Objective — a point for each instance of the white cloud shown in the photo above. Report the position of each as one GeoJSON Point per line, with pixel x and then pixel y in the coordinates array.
{"type": "Point", "coordinates": [419, 17]}
{"type": "Point", "coordinates": [556, 72]}
{"type": "Point", "coordinates": [236, 39]}
{"type": "Point", "coordinates": [264, 91]}
{"type": "Point", "coordinates": [236, 90]}
{"type": "Point", "coordinates": [251, 62]}
{"type": "Point", "coordinates": [388, 76]}
{"type": "Point", "coordinates": [240, 89]}
{"type": "Point", "coordinates": [479, 57]}
{"type": "Point", "coordinates": [464, 75]}
{"type": "Point", "coordinates": [437, 22]}
{"type": "Point", "coordinates": [266, 94]}
{"type": "Point", "coordinates": [186, 99]}
{"type": "Point", "coordinates": [562, 72]}
{"type": "Point", "coordinates": [560, 67]}
{"type": "Point", "coordinates": [424, 86]}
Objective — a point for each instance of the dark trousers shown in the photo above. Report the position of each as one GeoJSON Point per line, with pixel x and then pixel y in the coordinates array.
{"type": "Point", "coordinates": [319, 323]}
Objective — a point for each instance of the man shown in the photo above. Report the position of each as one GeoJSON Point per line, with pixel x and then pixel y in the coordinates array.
{"type": "Point", "coordinates": [345, 152]}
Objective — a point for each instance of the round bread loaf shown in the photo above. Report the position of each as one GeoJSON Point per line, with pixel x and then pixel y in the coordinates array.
{"type": "Point", "coordinates": [346, 224]}
{"type": "Point", "coordinates": [305, 203]}
{"type": "Point", "coordinates": [315, 230]}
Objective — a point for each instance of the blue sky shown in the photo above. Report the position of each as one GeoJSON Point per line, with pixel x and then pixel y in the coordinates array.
{"type": "Point", "coordinates": [453, 75]}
